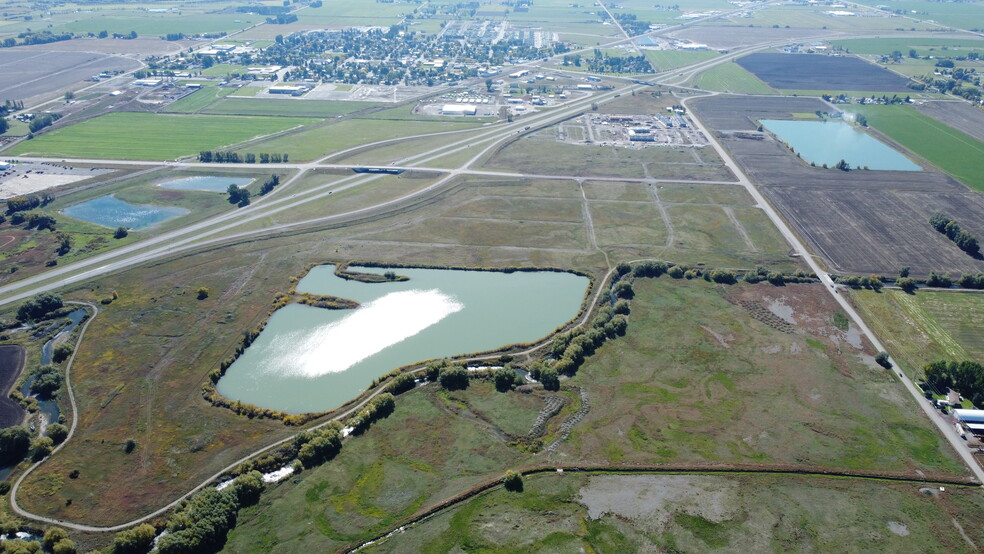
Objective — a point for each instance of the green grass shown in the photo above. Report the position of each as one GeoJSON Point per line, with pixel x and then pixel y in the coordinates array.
{"type": "Point", "coordinates": [924, 46]}
{"type": "Point", "coordinates": [278, 107]}
{"type": "Point", "coordinates": [928, 326]}
{"type": "Point", "coordinates": [151, 136]}
{"type": "Point", "coordinates": [949, 149]}
{"type": "Point", "coordinates": [195, 101]}
{"type": "Point", "coordinates": [731, 77]}
{"type": "Point", "coordinates": [322, 140]}
{"type": "Point", "coordinates": [155, 25]}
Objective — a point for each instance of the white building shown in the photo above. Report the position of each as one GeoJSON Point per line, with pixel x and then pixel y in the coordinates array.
{"type": "Point", "coordinates": [459, 109]}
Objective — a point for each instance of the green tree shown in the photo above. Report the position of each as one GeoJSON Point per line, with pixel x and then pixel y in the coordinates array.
{"type": "Point", "coordinates": [454, 378]}
{"type": "Point", "coordinates": [41, 447]}
{"type": "Point", "coordinates": [882, 359]}
{"type": "Point", "coordinates": [137, 540]}
{"type": "Point", "coordinates": [513, 481]}
{"type": "Point", "coordinates": [39, 306]}
{"type": "Point", "coordinates": [120, 233]}
{"type": "Point", "coordinates": [47, 380]}
{"type": "Point", "coordinates": [504, 378]}
{"type": "Point", "coordinates": [904, 272]}
{"type": "Point", "coordinates": [907, 284]}
{"type": "Point", "coordinates": [57, 432]}
{"type": "Point", "coordinates": [202, 293]}
{"type": "Point", "coordinates": [549, 379]}
{"type": "Point", "coordinates": [14, 444]}
{"type": "Point", "coordinates": [53, 535]}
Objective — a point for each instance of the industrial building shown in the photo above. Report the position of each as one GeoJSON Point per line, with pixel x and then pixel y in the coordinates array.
{"type": "Point", "coordinates": [971, 419]}
{"type": "Point", "coordinates": [459, 109]}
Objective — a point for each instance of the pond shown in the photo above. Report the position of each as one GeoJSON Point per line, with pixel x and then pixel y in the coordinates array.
{"type": "Point", "coordinates": [829, 142]}
{"type": "Point", "coordinates": [311, 359]}
{"type": "Point", "coordinates": [112, 212]}
{"type": "Point", "coordinates": [206, 183]}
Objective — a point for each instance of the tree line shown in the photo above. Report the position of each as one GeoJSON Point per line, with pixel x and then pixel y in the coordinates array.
{"type": "Point", "coordinates": [949, 227]}
{"type": "Point", "coordinates": [220, 157]}
{"type": "Point", "coordinates": [965, 377]}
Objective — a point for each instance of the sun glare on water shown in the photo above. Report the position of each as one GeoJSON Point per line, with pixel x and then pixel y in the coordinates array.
{"type": "Point", "coordinates": [337, 346]}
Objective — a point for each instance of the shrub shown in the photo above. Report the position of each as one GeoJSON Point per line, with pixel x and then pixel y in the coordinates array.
{"type": "Point", "coordinates": [120, 232]}
{"type": "Point", "coordinates": [513, 481]}
{"type": "Point", "coordinates": [907, 284]}
{"type": "Point", "coordinates": [57, 432]}
{"type": "Point", "coordinates": [454, 378]}
{"type": "Point", "coordinates": [549, 379]}
{"type": "Point", "coordinates": [61, 353]}
{"type": "Point", "coordinates": [401, 383]}
{"type": "Point", "coordinates": [129, 446]}
{"type": "Point", "coordinates": [504, 378]}
{"type": "Point", "coordinates": [41, 447]}
{"type": "Point", "coordinates": [202, 293]}
{"type": "Point", "coordinates": [882, 359]}
{"type": "Point", "coordinates": [133, 541]}
{"type": "Point", "coordinates": [623, 289]}
{"type": "Point", "coordinates": [676, 272]}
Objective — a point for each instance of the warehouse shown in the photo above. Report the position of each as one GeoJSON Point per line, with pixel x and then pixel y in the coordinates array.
{"type": "Point", "coordinates": [459, 109]}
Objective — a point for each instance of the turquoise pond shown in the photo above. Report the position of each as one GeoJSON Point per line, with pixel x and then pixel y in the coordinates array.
{"type": "Point", "coordinates": [206, 183]}
{"type": "Point", "coordinates": [311, 359]}
{"type": "Point", "coordinates": [829, 142]}
{"type": "Point", "coordinates": [112, 212]}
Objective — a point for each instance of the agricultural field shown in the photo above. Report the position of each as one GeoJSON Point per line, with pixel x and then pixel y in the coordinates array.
{"type": "Point", "coordinates": [924, 46]}
{"type": "Point", "coordinates": [956, 14]}
{"type": "Point", "coordinates": [731, 77]}
{"type": "Point", "coordinates": [816, 72]}
{"type": "Point", "coordinates": [46, 72]}
{"type": "Point", "coordinates": [198, 100]}
{"type": "Point", "coordinates": [862, 222]}
{"type": "Point", "coordinates": [286, 108]}
{"type": "Point", "coordinates": [924, 327]}
{"type": "Point", "coordinates": [136, 136]}
{"type": "Point", "coordinates": [949, 149]}
{"type": "Point", "coordinates": [956, 114]}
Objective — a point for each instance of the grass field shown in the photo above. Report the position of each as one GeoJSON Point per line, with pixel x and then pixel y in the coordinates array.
{"type": "Point", "coordinates": [672, 59]}
{"type": "Point", "coordinates": [924, 327]}
{"type": "Point", "coordinates": [962, 15]}
{"type": "Point", "coordinates": [319, 141]}
{"type": "Point", "coordinates": [195, 101]}
{"type": "Point", "coordinates": [712, 374]}
{"type": "Point", "coordinates": [290, 108]}
{"type": "Point", "coordinates": [222, 69]}
{"type": "Point", "coordinates": [949, 149]}
{"type": "Point", "coordinates": [136, 136]}
{"type": "Point", "coordinates": [924, 46]}
{"type": "Point", "coordinates": [699, 513]}
{"type": "Point", "coordinates": [731, 77]}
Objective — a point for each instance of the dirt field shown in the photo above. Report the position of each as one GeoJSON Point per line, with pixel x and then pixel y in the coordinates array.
{"type": "Point", "coordinates": [860, 221]}
{"type": "Point", "coordinates": [11, 364]}
{"type": "Point", "coordinates": [816, 72]}
{"type": "Point", "coordinates": [957, 114]}
{"type": "Point", "coordinates": [45, 72]}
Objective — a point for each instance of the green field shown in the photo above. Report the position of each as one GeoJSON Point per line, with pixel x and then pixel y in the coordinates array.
{"type": "Point", "coordinates": [136, 136]}
{"type": "Point", "coordinates": [322, 140]}
{"type": "Point", "coordinates": [671, 59]}
{"type": "Point", "coordinates": [223, 69]}
{"type": "Point", "coordinates": [924, 46]}
{"type": "Point", "coordinates": [278, 107]}
{"type": "Point", "coordinates": [924, 327]}
{"type": "Point", "coordinates": [731, 77]}
{"type": "Point", "coordinates": [195, 101]}
{"type": "Point", "coordinates": [949, 149]}
{"type": "Point", "coordinates": [962, 15]}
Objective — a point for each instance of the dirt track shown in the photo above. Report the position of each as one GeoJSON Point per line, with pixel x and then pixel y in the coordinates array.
{"type": "Point", "coordinates": [11, 363]}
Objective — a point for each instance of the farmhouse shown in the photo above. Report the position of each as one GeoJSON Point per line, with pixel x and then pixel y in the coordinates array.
{"type": "Point", "coordinates": [459, 109]}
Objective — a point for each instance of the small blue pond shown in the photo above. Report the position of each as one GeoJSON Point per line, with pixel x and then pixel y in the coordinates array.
{"type": "Point", "coordinates": [111, 212]}
{"type": "Point", "coordinates": [829, 142]}
{"type": "Point", "coordinates": [207, 183]}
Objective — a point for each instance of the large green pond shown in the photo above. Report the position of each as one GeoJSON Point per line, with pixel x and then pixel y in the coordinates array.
{"type": "Point", "coordinates": [311, 359]}
{"type": "Point", "coordinates": [829, 142]}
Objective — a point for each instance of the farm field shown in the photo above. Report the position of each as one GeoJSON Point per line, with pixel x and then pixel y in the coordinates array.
{"type": "Point", "coordinates": [924, 46]}
{"type": "Point", "coordinates": [959, 15]}
{"type": "Point", "coordinates": [949, 149]}
{"type": "Point", "coordinates": [196, 101]}
{"type": "Point", "coordinates": [289, 108]}
{"type": "Point", "coordinates": [130, 136]}
{"type": "Point", "coordinates": [322, 140]}
{"type": "Point", "coordinates": [815, 72]}
{"type": "Point", "coordinates": [959, 115]}
{"type": "Point", "coordinates": [731, 77]}
{"type": "Point", "coordinates": [604, 512]}
{"type": "Point", "coordinates": [924, 327]}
